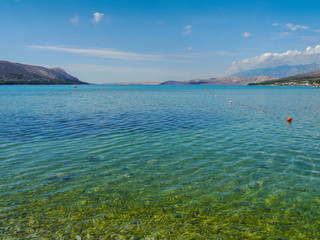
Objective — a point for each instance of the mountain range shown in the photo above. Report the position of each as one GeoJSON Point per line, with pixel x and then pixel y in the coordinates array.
{"type": "Point", "coordinates": [280, 71]}
{"type": "Point", "coordinates": [17, 73]}
{"type": "Point", "coordinates": [303, 79]}
{"type": "Point", "coordinates": [263, 76]}
{"type": "Point", "coordinates": [233, 80]}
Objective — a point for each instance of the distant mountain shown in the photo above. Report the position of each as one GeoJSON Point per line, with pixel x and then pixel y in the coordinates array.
{"type": "Point", "coordinates": [281, 71]}
{"type": "Point", "coordinates": [172, 82]}
{"type": "Point", "coordinates": [135, 83]}
{"type": "Point", "coordinates": [304, 79]}
{"type": "Point", "coordinates": [17, 73]}
{"type": "Point", "coordinates": [234, 80]}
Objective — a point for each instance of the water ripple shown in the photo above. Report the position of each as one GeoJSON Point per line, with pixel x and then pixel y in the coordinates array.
{"type": "Point", "coordinates": [159, 143]}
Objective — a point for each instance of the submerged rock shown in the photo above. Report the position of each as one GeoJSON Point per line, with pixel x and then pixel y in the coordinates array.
{"type": "Point", "coordinates": [61, 176]}
{"type": "Point", "coordinates": [93, 159]}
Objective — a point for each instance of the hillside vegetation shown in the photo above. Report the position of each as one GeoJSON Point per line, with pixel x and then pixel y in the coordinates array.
{"type": "Point", "coordinates": [304, 79]}
{"type": "Point", "coordinates": [23, 74]}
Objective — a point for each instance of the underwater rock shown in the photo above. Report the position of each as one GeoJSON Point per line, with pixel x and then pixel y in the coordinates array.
{"type": "Point", "coordinates": [263, 166]}
{"type": "Point", "coordinates": [93, 159]}
{"type": "Point", "coordinates": [61, 176]}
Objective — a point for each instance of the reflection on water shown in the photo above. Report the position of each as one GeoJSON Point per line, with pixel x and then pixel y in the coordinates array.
{"type": "Point", "coordinates": [161, 162]}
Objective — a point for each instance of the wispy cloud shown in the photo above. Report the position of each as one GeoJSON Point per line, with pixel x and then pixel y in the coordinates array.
{"type": "Point", "coordinates": [103, 53]}
{"type": "Point", "coordinates": [283, 35]}
{"type": "Point", "coordinates": [290, 57]}
{"type": "Point", "coordinates": [97, 17]}
{"type": "Point", "coordinates": [187, 29]}
{"type": "Point", "coordinates": [74, 20]}
{"type": "Point", "coordinates": [117, 54]}
{"type": "Point", "coordinates": [293, 27]}
{"type": "Point", "coordinates": [246, 34]}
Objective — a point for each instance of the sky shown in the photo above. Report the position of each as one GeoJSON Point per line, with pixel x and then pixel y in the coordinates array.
{"type": "Point", "coordinates": [113, 41]}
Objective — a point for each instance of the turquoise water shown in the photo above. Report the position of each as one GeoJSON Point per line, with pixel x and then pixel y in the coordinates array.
{"type": "Point", "coordinates": [159, 162]}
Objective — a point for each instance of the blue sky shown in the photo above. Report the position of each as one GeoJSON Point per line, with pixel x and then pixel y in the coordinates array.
{"type": "Point", "coordinates": [137, 40]}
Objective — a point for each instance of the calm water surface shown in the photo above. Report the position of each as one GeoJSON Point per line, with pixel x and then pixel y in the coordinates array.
{"type": "Point", "coordinates": [159, 162]}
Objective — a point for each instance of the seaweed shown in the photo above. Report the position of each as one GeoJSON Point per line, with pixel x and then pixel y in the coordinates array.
{"type": "Point", "coordinates": [110, 213]}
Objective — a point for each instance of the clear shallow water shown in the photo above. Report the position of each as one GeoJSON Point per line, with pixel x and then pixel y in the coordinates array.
{"type": "Point", "coordinates": [162, 162]}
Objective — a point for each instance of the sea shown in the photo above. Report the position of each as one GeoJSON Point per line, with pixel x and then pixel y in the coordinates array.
{"type": "Point", "coordinates": [159, 162]}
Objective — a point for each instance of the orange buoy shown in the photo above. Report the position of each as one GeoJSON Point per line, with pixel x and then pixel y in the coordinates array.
{"type": "Point", "coordinates": [289, 119]}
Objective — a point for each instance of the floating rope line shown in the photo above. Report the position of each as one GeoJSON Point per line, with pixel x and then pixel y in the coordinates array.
{"type": "Point", "coordinates": [289, 120]}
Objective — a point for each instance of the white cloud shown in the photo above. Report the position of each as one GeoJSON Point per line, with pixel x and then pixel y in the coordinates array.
{"type": "Point", "coordinates": [187, 29]}
{"type": "Point", "coordinates": [290, 57]}
{"type": "Point", "coordinates": [293, 27]}
{"type": "Point", "coordinates": [117, 54]}
{"type": "Point", "coordinates": [97, 17]}
{"type": "Point", "coordinates": [246, 34]}
{"type": "Point", "coordinates": [103, 53]}
{"type": "Point", "coordinates": [74, 20]}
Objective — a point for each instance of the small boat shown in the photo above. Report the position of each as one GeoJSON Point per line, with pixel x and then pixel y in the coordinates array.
{"type": "Point", "coordinates": [74, 86]}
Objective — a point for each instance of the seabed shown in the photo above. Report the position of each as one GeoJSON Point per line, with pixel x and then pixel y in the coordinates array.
{"type": "Point", "coordinates": [99, 213]}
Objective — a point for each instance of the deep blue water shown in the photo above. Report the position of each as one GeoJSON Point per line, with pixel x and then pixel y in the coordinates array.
{"type": "Point", "coordinates": [160, 142]}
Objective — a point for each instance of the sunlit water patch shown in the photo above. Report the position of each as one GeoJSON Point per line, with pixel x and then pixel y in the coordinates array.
{"type": "Point", "coordinates": [161, 162]}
